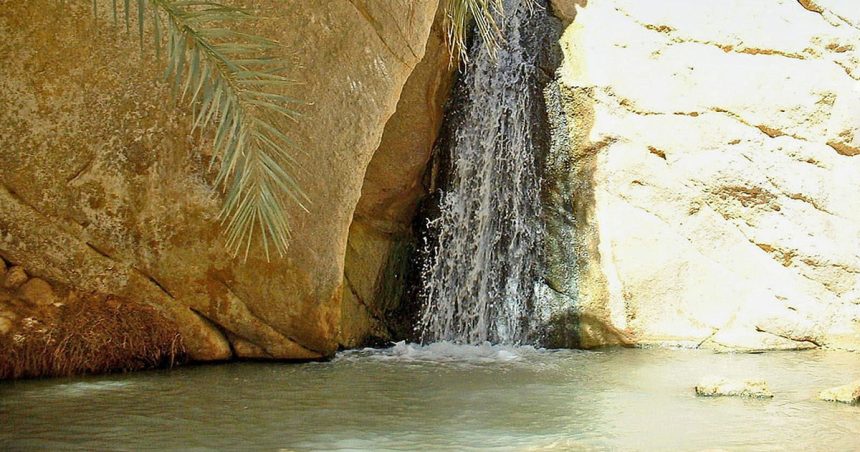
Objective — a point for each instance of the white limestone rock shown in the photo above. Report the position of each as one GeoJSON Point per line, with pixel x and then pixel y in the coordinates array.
{"type": "Point", "coordinates": [719, 386]}
{"type": "Point", "coordinates": [724, 147]}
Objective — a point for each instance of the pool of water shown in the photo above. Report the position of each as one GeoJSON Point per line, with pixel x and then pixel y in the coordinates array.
{"type": "Point", "coordinates": [444, 397]}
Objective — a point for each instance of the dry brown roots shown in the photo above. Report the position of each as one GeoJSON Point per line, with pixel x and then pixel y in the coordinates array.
{"type": "Point", "coordinates": [91, 335]}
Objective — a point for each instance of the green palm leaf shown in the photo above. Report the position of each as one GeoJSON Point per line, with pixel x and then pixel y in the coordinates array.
{"type": "Point", "coordinates": [459, 14]}
{"type": "Point", "coordinates": [230, 78]}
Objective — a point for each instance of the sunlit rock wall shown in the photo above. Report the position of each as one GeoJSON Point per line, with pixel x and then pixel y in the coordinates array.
{"type": "Point", "coordinates": [713, 153]}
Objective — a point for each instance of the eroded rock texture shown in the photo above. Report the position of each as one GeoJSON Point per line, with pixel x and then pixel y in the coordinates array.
{"type": "Point", "coordinates": [381, 239]}
{"type": "Point", "coordinates": [104, 188]}
{"type": "Point", "coordinates": [714, 157]}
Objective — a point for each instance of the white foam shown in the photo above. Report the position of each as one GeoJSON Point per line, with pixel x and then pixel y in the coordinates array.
{"type": "Point", "coordinates": [89, 388]}
{"type": "Point", "coordinates": [443, 352]}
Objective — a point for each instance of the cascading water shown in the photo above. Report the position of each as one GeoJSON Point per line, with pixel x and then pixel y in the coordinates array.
{"type": "Point", "coordinates": [480, 275]}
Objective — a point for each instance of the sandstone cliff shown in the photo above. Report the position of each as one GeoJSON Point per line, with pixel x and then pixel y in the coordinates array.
{"type": "Point", "coordinates": [381, 238]}
{"type": "Point", "coordinates": [104, 189]}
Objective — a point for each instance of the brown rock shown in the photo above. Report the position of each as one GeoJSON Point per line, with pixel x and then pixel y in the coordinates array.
{"type": "Point", "coordinates": [130, 172]}
{"type": "Point", "coordinates": [9, 313]}
{"type": "Point", "coordinates": [247, 350]}
{"type": "Point", "coordinates": [14, 277]}
{"type": "Point", "coordinates": [38, 292]}
{"type": "Point", "coordinates": [381, 227]}
{"type": "Point", "coordinates": [5, 325]}
{"type": "Point", "coordinates": [566, 9]}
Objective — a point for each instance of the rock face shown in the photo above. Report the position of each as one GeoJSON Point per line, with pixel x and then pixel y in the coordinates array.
{"type": "Point", "coordinates": [718, 386]}
{"type": "Point", "coordinates": [104, 188]}
{"type": "Point", "coordinates": [849, 393]}
{"type": "Point", "coordinates": [381, 236]}
{"type": "Point", "coordinates": [709, 173]}
{"type": "Point", "coordinates": [566, 9]}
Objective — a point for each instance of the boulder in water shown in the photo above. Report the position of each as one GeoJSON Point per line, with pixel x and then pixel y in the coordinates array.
{"type": "Point", "coordinates": [719, 386]}
{"type": "Point", "coordinates": [849, 393]}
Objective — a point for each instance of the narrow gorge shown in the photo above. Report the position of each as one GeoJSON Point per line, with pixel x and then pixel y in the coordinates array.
{"type": "Point", "coordinates": [430, 224]}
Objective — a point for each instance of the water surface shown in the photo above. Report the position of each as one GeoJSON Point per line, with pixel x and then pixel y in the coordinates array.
{"type": "Point", "coordinates": [444, 397]}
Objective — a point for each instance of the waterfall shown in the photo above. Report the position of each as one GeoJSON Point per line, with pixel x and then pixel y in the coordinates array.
{"type": "Point", "coordinates": [483, 254]}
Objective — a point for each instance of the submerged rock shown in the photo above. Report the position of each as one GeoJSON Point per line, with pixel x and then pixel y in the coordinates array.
{"type": "Point", "coordinates": [849, 393]}
{"type": "Point", "coordinates": [719, 386]}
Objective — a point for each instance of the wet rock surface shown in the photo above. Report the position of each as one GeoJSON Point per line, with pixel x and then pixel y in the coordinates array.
{"type": "Point", "coordinates": [722, 387]}
{"type": "Point", "coordinates": [849, 393]}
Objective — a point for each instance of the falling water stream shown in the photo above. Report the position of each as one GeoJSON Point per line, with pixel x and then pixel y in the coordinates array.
{"type": "Point", "coordinates": [479, 281]}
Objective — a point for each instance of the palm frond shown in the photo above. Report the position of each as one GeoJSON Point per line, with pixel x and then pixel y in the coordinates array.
{"type": "Point", "coordinates": [232, 81]}
{"type": "Point", "coordinates": [459, 15]}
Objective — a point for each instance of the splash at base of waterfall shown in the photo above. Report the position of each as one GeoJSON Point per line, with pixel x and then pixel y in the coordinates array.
{"type": "Point", "coordinates": [444, 352]}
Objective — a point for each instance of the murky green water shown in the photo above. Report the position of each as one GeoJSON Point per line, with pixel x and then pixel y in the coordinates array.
{"type": "Point", "coordinates": [444, 398]}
